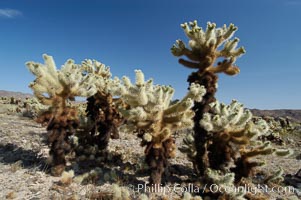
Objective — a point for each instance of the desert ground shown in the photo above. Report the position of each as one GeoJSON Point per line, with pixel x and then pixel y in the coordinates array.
{"type": "Point", "coordinates": [24, 172]}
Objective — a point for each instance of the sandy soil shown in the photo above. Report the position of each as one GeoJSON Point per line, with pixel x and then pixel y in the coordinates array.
{"type": "Point", "coordinates": [24, 173]}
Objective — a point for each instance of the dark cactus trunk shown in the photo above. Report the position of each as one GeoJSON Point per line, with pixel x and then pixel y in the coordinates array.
{"type": "Point", "coordinates": [106, 118]}
{"type": "Point", "coordinates": [221, 153]}
{"type": "Point", "coordinates": [243, 168]}
{"type": "Point", "coordinates": [60, 127]}
{"type": "Point", "coordinates": [209, 81]}
{"type": "Point", "coordinates": [157, 160]}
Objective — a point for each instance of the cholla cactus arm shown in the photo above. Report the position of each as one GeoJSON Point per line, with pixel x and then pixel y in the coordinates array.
{"type": "Point", "coordinates": [276, 177]}
{"type": "Point", "coordinates": [97, 68]}
{"type": "Point", "coordinates": [284, 152]}
{"type": "Point", "coordinates": [72, 78]}
{"type": "Point", "coordinates": [137, 94]}
{"type": "Point", "coordinates": [196, 93]}
{"type": "Point", "coordinates": [228, 118]}
{"type": "Point", "coordinates": [59, 85]}
{"type": "Point", "coordinates": [151, 103]}
{"type": "Point", "coordinates": [226, 183]}
{"type": "Point", "coordinates": [188, 146]}
{"type": "Point", "coordinates": [102, 80]}
{"type": "Point", "coordinates": [204, 45]}
{"type": "Point", "coordinates": [220, 179]}
{"type": "Point", "coordinates": [120, 193]}
{"type": "Point", "coordinates": [179, 114]}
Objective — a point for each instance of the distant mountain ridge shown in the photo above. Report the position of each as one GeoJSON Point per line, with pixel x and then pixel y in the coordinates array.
{"type": "Point", "coordinates": [295, 115]}
{"type": "Point", "coordinates": [4, 93]}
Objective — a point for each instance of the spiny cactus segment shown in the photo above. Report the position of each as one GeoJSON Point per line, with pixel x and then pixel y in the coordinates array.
{"type": "Point", "coordinates": [155, 119]}
{"type": "Point", "coordinates": [204, 48]}
{"type": "Point", "coordinates": [233, 139]}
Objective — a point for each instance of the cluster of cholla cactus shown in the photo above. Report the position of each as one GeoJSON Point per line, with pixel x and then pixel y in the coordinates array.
{"type": "Point", "coordinates": [232, 131]}
{"type": "Point", "coordinates": [225, 139]}
{"type": "Point", "coordinates": [32, 108]}
{"type": "Point", "coordinates": [93, 123]}
{"type": "Point", "coordinates": [26, 107]}
{"type": "Point", "coordinates": [144, 106]}
{"type": "Point", "coordinates": [152, 116]}
{"type": "Point", "coordinates": [278, 127]}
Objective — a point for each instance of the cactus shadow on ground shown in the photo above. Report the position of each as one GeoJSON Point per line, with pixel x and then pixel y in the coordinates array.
{"type": "Point", "coordinates": [11, 153]}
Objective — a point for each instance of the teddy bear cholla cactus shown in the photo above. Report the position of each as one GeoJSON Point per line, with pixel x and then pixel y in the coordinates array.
{"type": "Point", "coordinates": [55, 88]}
{"type": "Point", "coordinates": [234, 139]}
{"type": "Point", "coordinates": [205, 48]}
{"type": "Point", "coordinates": [225, 182]}
{"type": "Point", "coordinates": [101, 109]}
{"type": "Point", "coordinates": [32, 108]}
{"type": "Point", "coordinates": [152, 115]}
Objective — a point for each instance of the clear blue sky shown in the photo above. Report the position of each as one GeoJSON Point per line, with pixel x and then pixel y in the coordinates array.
{"type": "Point", "coordinates": [137, 34]}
